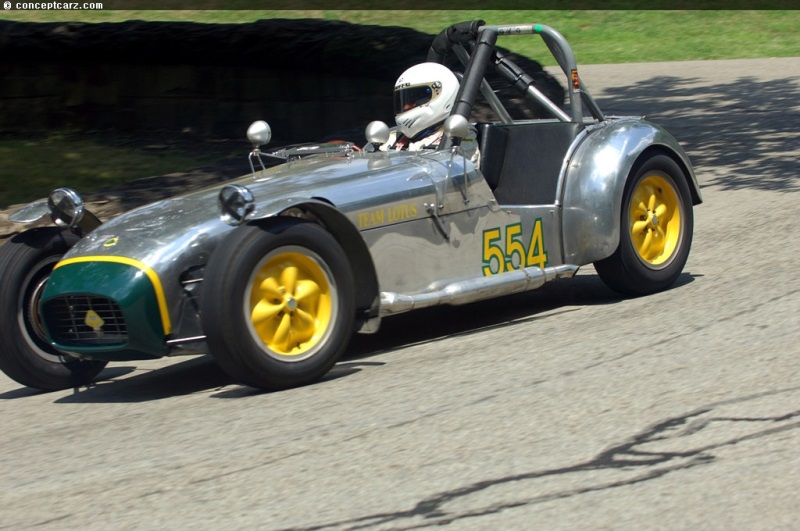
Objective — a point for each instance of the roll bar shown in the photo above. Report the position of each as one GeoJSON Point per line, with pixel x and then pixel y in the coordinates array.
{"type": "Point", "coordinates": [481, 39]}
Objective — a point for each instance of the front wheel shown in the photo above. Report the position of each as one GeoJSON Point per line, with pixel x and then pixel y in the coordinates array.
{"type": "Point", "coordinates": [278, 303]}
{"type": "Point", "coordinates": [25, 354]}
{"type": "Point", "coordinates": [655, 230]}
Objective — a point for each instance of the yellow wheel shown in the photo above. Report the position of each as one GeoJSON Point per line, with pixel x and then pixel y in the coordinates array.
{"type": "Point", "coordinates": [655, 219]}
{"type": "Point", "coordinates": [278, 303]}
{"type": "Point", "coordinates": [290, 303]}
{"type": "Point", "coordinates": [656, 225]}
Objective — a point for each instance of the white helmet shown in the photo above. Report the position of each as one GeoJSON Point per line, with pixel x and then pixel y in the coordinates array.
{"type": "Point", "coordinates": [423, 96]}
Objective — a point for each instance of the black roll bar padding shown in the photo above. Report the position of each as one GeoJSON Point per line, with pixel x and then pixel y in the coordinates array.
{"type": "Point", "coordinates": [468, 91]}
{"type": "Point", "coordinates": [513, 73]}
{"type": "Point", "coordinates": [460, 33]}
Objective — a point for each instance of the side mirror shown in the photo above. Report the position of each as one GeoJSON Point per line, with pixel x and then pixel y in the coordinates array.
{"type": "Point", "coordinates": [377, 132]}
{"type": "Point", "coordinates": [259, 133]}
{"type": "Point", "coordinates": [456, 126]}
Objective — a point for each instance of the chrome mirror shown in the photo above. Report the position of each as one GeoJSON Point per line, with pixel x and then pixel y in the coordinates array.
{"type": "Point", "coordinates": [456, 126]}
{"type": "Point", "coordinates": [377, 132]}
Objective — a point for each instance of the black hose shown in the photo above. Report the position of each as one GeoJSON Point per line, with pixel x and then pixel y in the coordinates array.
{"type": "Point", "coordinates": [517, 77]}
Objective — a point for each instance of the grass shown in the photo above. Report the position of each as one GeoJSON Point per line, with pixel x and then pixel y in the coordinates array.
{"type": "Point", "coordinates": [596, 36]}
{"type": "Point", "coordinates": [33, 165]}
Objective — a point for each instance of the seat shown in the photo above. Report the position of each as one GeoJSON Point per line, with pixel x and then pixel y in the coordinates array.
{"type": "Point", "coordinates": [522, 162]}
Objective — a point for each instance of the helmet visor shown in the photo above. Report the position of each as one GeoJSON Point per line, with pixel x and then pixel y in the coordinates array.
{"type": "Point", "coordinates": [410, 97]}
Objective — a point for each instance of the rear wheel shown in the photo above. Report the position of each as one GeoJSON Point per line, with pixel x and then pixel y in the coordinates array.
{"type": "Point", "coordinates": [655, 230]}
{"type": "Point", "coordinates": [26, 355]}
{"type": "Point", "coordinates": [278, 304]}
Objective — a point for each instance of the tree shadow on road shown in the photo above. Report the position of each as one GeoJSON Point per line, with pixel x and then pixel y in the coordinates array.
{"type": "Point", "coordinates": [686, 440]}
{"type": "Point", "coordinates": [740, 135]}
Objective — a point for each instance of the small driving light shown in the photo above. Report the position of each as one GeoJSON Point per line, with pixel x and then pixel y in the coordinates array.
{"type": "Point", "coordinates": [66, 207]}
{"type": "Point", "coordinates": [236, 203]}
{"type": "Point", "coordinates": [259, 133]}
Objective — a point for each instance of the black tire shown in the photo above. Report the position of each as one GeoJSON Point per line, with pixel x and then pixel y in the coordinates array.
{"type": "Point", "coordinates": [25, 354]}
{"type": "Point", "coordinates": [278, 305]}
{"type": "Point", "coordinates": [666, 240]}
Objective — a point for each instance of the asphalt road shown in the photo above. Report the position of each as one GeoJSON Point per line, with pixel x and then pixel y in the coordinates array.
{"type": "Point", "coordinates": [563, 408]}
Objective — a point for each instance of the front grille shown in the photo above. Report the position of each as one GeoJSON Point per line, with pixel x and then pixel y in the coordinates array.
{"type": "Point", "coordinates": [83, 321]}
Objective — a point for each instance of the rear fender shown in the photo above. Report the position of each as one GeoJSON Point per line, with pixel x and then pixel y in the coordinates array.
{"type": "Point", "coordinates": [595, 181]}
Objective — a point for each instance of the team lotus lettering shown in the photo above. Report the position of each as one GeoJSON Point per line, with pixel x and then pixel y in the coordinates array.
{"type": "Point", "coordinates": [383, 216]}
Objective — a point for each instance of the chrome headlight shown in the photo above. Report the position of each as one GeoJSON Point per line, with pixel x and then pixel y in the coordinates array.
{"type": "Point", "coordinates": [66, 207]}
{"type": "Point", "coordinates": [259, 133]}
{"type": "Point", "coordinates": [236, 203]}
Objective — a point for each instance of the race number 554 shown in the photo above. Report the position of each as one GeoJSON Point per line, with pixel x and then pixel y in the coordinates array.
{"type": "Point", "coordinates": [505, 249]}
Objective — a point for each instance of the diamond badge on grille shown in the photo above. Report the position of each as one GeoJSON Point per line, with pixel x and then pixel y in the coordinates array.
{"type": "Point", "coordinates": [93, 321]}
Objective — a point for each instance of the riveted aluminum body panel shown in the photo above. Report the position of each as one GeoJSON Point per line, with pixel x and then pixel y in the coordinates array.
{"type": "Point", "coordinates": [415, 258]}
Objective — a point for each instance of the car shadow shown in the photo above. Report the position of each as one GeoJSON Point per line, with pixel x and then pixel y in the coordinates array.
{"type": "Point", "coordinates": [440, 322]}
{"type": "Point", "coordinates": [200, 374]}
{"type": "Point", "coordinates": [197, 374]}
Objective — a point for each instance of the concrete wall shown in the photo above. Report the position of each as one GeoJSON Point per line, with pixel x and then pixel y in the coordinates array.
{"type": "Point", "coordinates": [209, 100]}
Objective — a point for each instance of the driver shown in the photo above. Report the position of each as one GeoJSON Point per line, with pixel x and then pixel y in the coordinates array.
{"type": "Point", "coordinates": [423, 97]}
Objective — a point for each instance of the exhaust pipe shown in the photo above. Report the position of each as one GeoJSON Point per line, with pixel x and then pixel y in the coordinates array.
{"type": "Point", "coordinates": [475, 289]}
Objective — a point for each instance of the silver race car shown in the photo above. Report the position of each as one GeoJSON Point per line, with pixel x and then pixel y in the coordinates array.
{"type": "Point", "coordinates": [271, 273]}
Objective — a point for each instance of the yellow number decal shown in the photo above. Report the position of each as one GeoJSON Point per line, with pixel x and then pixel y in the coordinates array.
{"type": "Point", "coordinates": [536, 253]}
{"type": "Point", "coordinates": [514, 246]}
{"type": "Point", "coordinates": [492, 250]}
{"type": "Point", "coordinates": [494, 253]}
